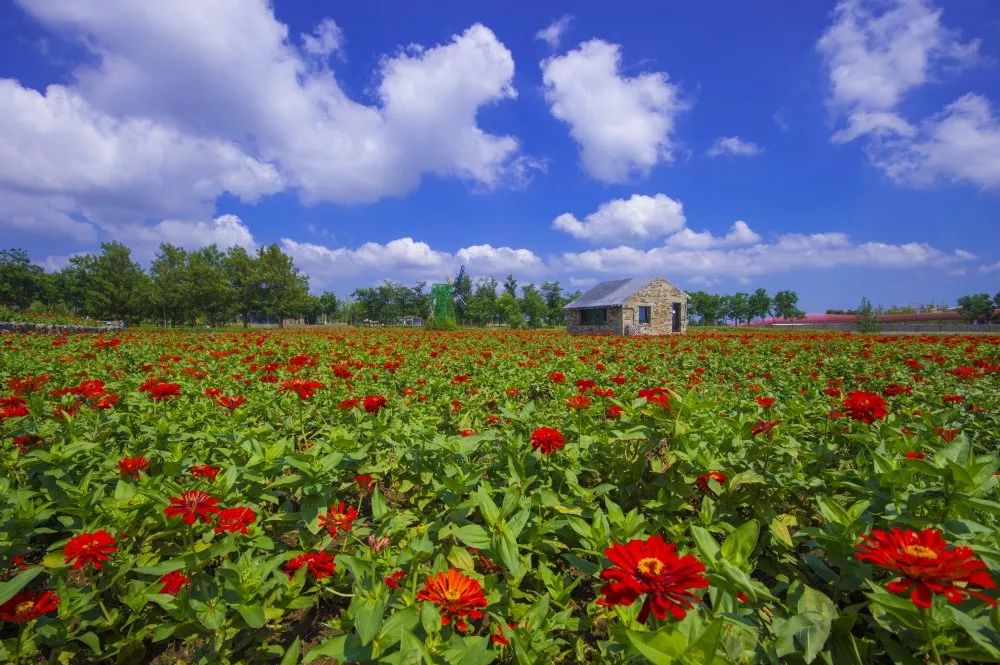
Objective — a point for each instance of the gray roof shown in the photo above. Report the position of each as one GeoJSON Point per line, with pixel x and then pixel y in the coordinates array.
{"type": "Point", "coordinates": [613, 293]}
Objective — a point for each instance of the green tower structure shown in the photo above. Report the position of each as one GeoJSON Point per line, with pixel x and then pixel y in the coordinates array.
{"type": "Point", "coordinates": [442, 306]}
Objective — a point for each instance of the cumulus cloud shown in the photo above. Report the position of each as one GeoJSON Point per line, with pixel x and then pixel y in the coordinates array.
{"type": "Point", "coordinates": [876, 54]}
{"type": "Point", "coordinates": [733, 145]}
{"type": "Point", "coordinates": [787, 252]}
{"type": "Point", "coordinates": [638, 218]}
{"type": "Point", "coordinates": [489, 260]}
{"type": "Point", "coordinates": [622, 124]}
{"type": "Point", "coordinates": [740, 233]}
{"type": "Point", "coordinates": [182, 102]}
{"type": "Point", "coordinates": [325, 40]}
{"type": "Point", "coordinates": [553, 32]}
{"type": "Point", "coordinates": [224, 231]}
{"type": "Point", "coordinates": [990, 268]}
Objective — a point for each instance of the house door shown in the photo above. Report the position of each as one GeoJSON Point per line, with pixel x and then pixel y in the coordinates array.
{"type": "Point", "coordinates": [676, 323]}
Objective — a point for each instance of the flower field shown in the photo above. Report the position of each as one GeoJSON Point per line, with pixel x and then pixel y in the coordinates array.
{"type": "Point", "coordinates": [516, 497]}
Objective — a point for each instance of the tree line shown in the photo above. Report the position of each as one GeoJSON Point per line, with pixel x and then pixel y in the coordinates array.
{"type": "Point", "coordinates": [715, 309]}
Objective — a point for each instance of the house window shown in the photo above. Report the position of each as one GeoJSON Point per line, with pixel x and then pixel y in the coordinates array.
{"type": "Point", "coordinates": [645, 313]}
{"type": "Point", "coordinates": [594, 317]}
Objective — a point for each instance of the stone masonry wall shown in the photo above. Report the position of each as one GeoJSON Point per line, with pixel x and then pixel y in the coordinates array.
{"type": "Point", "coordinates": [660, 295]}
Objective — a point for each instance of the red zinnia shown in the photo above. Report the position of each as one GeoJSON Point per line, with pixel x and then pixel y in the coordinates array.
{"type": "Point", "coordinates": [28, 605]}
{"type": "Point", "coordinates": [318, 564]}
{"type": "Point", "coordinates": [614, 412]}
{"type": "Point", "coordinates": [12, 407]}
{"type": "Point", "coordinates": [466, 432]}
{"type": "Point", "coordinates": [558, 377]}
{"type": "Point", "coordinates": [365, 481]}
{"type": "Point", "coordinates": [22, 385]}
{"type": "Point", "coordinates": [392, 581]}
{"type": "Point", "coordinates": [914, 454]}
{"type": "Point", "coordinates": [90, 548]}
{"type": "Point", "coordinates": [652, 567]}
{"type": "Point", "coordinates": [132, 466]}
{"type": "Point", "coordinates": [24, 442]}
{"type": "Point", "coordinates": [864, 406]}
{"type": "Point", "coordinates": [161, 391]}
{"type": "Point", "coordinates": [766, 402]}
{"type": "Point", "coordinates": [231, 403]}
{"type": "Point", "coordinates": [717, 476]}
{"type": "Point", "coordinates": [338, 518]}
{"type": "Point", "coordinates": [547, 440]}
{"type": "Point", "coordinates": [191, 506]}
{"type": "Point", "coordinates": [457, 597]}
{"type": "Point", "coordinates": [305, 389]}
{"type": "Point", "coordinates": [763, 427]}
{"type": "Point", "coordinates": [373, 403]}
{"type": "Point", "coordinates": [235, 519]}
{"type": "Point", "coordinates": [927, 565]}
{"type": "Point", "coordinates": [174, 581]}
{"type": "Point", "coordinates": [578, 402]}
{"type": "Point", "coordinates": [204, 471]}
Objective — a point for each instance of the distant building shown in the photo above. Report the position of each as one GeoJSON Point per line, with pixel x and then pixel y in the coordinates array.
{"type": "Point", "coordinates": [636, 306]}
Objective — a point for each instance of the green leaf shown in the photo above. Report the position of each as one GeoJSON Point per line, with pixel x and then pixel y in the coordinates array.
{"type": "Point", "coordinates": [379, 507]}
{"type": "Point", "coordinates": [805, 632]}
{"type": "Point", "coordinates": [367, 612]}
{"type": "Point", "coordinates": [291, 656]}
{"type": "Point", "coordinates": [11, 587]}
{"type": "Point", "coordinates": [252, 614]}
{"type": "Point", "coordinates": [705, 543]}
{"type": "Point", "coordinates": [739, 544]}
{"type": "Point", "coordinates": [704, 648]}
{"type": "Point", "coordinates": [487, 508]}
{"type": "Point", "coordinates": [473, 535]}
{"type": "Point", "coordinates": [509, 554]}
{"type": "Point", "coordinates": [662, 647]}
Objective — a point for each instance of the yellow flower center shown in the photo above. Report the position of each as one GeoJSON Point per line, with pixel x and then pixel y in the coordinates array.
{"type": "Point", "coordinates": [920, 552]}
{"type": "Point", "coordinates": [452, 595]}
{"type": "Point", "coordinates": [650, 566]}
{"type": "Point", "coordinates": [24, 608]}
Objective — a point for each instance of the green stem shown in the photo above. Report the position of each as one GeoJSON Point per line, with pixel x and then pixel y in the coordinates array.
{"type": "Point", "coordinates": [929, 634]}
{"type": "Point", "coordinates": [20, 638]}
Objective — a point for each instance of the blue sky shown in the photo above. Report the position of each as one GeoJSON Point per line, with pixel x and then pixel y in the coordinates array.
{"type": "Point", "coordinates": [838, 149]}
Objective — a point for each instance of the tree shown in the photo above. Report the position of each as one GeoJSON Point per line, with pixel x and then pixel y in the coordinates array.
{"type": "Point", "coordinates": [482, 308]}
{"type": "Point", "coordinates": [114, 286]}
{"type": "Point", "coordinates": [533, 306]}
{"type": "Point", "coordinates": [976, 308]}
{"type": "Point", "coordinates": [282, 288]}
{"type": "Point", "coordinates": [169, 280]}
{"type": "Point", "coordinates": [241, 270]}
{"type": "Point", "coordinates": [758, 305]}
{"type": "Point", "coordinates": [328, 305]}
{"type": "Point", "coordinates": [461, 292]}
{"type": "Point", "coordinates": [996, 300]}
{"type": "Point", "coordinates": [785, 305]}
{"type": "Point", "coordinates": [738, 307]}
{"type": "Point", "coordinates": [552, 295]}
{"type": "Point", "coordinates": [510, 285]}
{"type": "Point", "coordinates": [209, 291]}
{"type": "Point", "coordinates": [510, 309]}
{"type": "Point", "coordinates": [866, 321]}
{"type": "Point", "coordinates": [709, 308]}
{"type": "Point", "coordinates": [20, 279]}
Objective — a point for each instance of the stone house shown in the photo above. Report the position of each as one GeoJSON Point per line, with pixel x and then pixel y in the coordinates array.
{"type": "Point", "coordinates": [636, 306]}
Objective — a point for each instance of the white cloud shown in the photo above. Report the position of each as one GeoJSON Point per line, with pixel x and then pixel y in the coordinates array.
{"type": "Point", "coordinates": [622, 124]}
{"type": "Point", "coordinates": [733, 145]}
{"type": "Point", "coordinates": [181, 102]}
{"type": "Point", "coordinates": [639, 218]}
{"type": "Point", "coordinates": [552, 33]}
{"type": "Point", "coordinates": [740, 233]}
{"type": "Point", "coordinates": [874, 60]}
{"type": "Point", "coordinates": [325, 40]}
{"type": "Point", "coordinates": [489, 260]}
{"type": "Point", "coordinates": [788, 252]}
{"type": "Point", "coordinates": [225, 231]}
{"type": "Point", "coordinates": [990, 269]}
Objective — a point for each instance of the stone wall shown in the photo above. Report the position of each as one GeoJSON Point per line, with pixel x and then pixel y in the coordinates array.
{"type": "Point", "coordinates": [59, 328]}
{"type": "Point", "coordinates": [660, 296]}
{"type": "Point", "coordinates": [614, 325]}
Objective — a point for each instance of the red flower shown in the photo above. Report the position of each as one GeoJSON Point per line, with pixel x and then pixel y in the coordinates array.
{"type": "Point", "coordinates": [652, 567]}
{"type": "Point", "coordinates": [373, 403]}
{"type": "Point", "coordinates": [191, 506]}
{"type": "Point", "coordinates": [132, 466]}
{"type": "Point", "coordinates": [717, 476]}
{"type": "Point", "coordinates": [558, 377]}
{"type": "Point", "coordinates": [585, 385]}
{"type": "Point", "coordinates": [763, 427]}
{"type": "Point", "coordinates": [460, 378]}
{"type": "Point", "coordinates": [347, 404]}
{"type": "Point", "coordinates": [953, 399]}
{"type": "Point", "coordinates": [162, 391]}
{"type": "Point", "coordinates": [913, 454]}
{"type": "Point", "coordinates": [964, 372]}
{"type": "Point", "coordinates": [204, 471]}
{"type": "Point", "coordinates": [866, 407]}
{"type": "Point", "coordinates": [894, 389]}
{"type": "Point", "coordinates": [318, 564]}
{"type": "Point", "coordinates": [948, 434]}
{"type": "Point", "coordinates": [90, 548]}
{"type": "Point", "coordinates": [578, 402]}
{"type": "Point", "coordinates": [365, 481]}
{"type": "Point", "coordinates": [831, 391]}
{"type": "Point", "coordinates": [547, 440]}
{"type": "Point", "coordinates": [614, 412]}
{"type": "Point", "coordinates": [660, 396]}
{"type": "Point", "coordinates": [456, 596]}
{"type": "Point", "coordinates": [236, 519]}
{"type": "Point", "coordinates": [12, 407]}
{"type": "Point", "coordinates": [338, 518]}
{"type": "Point", "coordinates": [231, 403]}
{"type": "Point", "coordinates": [392, 581]}
{"type": "Point", "coordinates": [466, 432]}
{"type": "Point", "coordinates": [927, 565]}
{"type": "Point", "coordinates": [766, 402]}
{"type": "Point", "coordinates": [21, 385]}
{"type": "Point", "coordinates": [24, 442]}
{"type": "Point", "coordinates": [28, 605]}
{"type": "Point", "coordinates": [174, 581]}
{"type": "Point", "coordinates": [304, 388]}
{"type": "Point", "coordinates": [106, 401]}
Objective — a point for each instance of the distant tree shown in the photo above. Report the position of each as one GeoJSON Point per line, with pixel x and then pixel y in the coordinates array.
{"type": "Point", "coordinates": [329, 306]}
{"type": "Point", "coordinates": [785, 305]}
{"type": "Point", "coordinates": [116, 286]}
{"type": "Point", "coordinates": [510, 309]}
{"type": "Point", "coordinates": [976, 308]}
{"type": "Point", "coordinates": [738, 307]}
{"type": "Point", "coordinates": [533, 306]}
{"type": "Point", "coordinates": [312, 310]}
{"type": "Point", "coordinates": [482, 307]}
{"type": "Point", "coordinates": [282, 288]}
{"type": "Point", "coordinates": [554, 301]}
{"type": "Point", "coordinates": [707, 307]}
{"type": "Point", "coordinates": [209, 292]}
{"type": "Point", "coordinates": [241, 269]}
{"type": "Point", "coordinates": [996, 300]}
{"type": "Point", "coordinates": [461, 291]}
{"type": "Point", "coordinates": [866, 321]}
{"type": "Point", "coordinates": [758, 305]}
{"type": "Point", "coordinates": [20, 279]}
{"type": "Point", "coordinates": [510, 285]}
{"type": "Point", "coordinates": [169, 281]}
